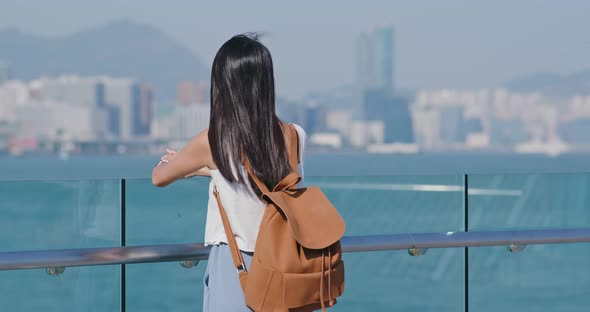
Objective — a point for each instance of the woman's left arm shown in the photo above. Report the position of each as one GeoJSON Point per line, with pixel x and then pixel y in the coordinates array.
{"type": "Point", "coordinates": [203, 172]}
{"type": "Point", "coordinates": [195, 156]}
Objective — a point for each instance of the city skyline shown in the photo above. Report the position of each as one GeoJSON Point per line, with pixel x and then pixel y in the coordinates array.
{"type": "Point", "coordinates": [437, 45]}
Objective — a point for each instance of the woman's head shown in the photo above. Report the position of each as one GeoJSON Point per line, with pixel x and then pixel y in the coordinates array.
{"type": "Point", "coordinates": [243, 121]}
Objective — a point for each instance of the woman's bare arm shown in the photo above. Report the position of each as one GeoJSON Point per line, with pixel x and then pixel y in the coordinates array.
{"type": "Point", "coordinates": [195, 156]}
{"type": "Point", "coordinates": [203, 172]}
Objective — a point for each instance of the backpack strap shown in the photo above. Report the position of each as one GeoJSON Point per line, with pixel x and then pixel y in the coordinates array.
{"type": "Point", "coordinates": [261, 186]}
{"type": "Point", "coordinates": [236, 255]}
{"type": "Point", "coordinates": [293, 152]}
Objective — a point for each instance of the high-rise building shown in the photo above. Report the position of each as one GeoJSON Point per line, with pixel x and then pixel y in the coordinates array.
{"type": "Point", "coordinates": [365, 59]}
{"type": "Point", "coordinates": [340, 121]}
{"type": "Point", "coordinates": [384, 56]}
{"type": "Point", "coordinates": [393, 111]}
{"type": "Point", "coordinates": [123, 96]}
{"type": "Point", "coordinates": [142, 109]}
{"type": "Point", "coordinates": [182, 123]}
{"type": "Point", "coordinates": [290, 111]}
{"type": "Point", "coordinates": [452, 125]}
{"type": "Point", "coordinates": [314, 118]}
{"type": "Point", "coordinates": [375, 59]}
{"type": "Point", "coordinates": [4, 72]}
{"type": "Point", "coordinates": [122, 108]}
{"type": "Point", "coordinates": [86, 95]}
{"type": "Point", "coordinates": [130, 106]}
{"type": "Point", "coordinates": [46, 119]}
{"type": "Point", "coordinates": [78, 91]}
{"type": "Point", "coordinates": [363, 133]}
{"type": "Point", "coordinates": [12, 95]}
{"type": "Point", "coordinates": [191, 93]}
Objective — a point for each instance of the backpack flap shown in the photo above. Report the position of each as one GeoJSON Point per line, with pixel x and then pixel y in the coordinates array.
{"type": "Point", "coordinates": [314, 221]}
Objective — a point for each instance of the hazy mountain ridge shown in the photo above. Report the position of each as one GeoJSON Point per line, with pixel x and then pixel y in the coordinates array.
{"type": "Point", "coordinates": [553, 84]}
{"type": "Point", "coordinates": [121, 49]}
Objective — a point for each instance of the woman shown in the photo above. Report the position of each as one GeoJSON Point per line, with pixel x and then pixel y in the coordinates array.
{"type": "Point", "coordinates": [243, 125]}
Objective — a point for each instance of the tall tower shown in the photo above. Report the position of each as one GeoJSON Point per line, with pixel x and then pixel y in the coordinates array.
{"type": "Point", "coordinates": [142, 119]}
{"type": "Point", "coordinates": [365, 62]}
{"type": "Point", "coordinates": [4, 72]}
{"type": "Point", "coordinates": [384, 56]}
{"type": "Point", "coordinates": [374, 59]}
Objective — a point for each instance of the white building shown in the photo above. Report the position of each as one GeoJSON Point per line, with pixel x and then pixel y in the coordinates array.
{"type": "Point", "coordinates": [12, 95]}
{"type": "Point", "coordinates": [119, 93]}
{"type": "Point", "coordinates": [327, 139]}
{"type": "Point", "coordinates": [363, 133]}
{"type": "Point", "coordinates": [183, 123]}
{"type": "Point", "coordinates": [48, 119]}
{"type": "Point", "coordinates": [74, 90]}
{"type": "Point", "coordinates": [340, 121]}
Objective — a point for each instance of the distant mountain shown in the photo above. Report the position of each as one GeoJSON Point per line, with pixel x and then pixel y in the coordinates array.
{"type": "Point", "coordinates": [553, 84]}
{"type": "Point", "coordinates": [121, 49]}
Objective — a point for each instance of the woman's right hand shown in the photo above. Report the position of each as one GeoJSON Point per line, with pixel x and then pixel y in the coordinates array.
{"type": "Point", "coordinates": [169, 155]}
{"type": "Point", "coordinates": [177, 165]}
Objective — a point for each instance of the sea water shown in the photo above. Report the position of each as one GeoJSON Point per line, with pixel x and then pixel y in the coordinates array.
{"type": "Point", "coordinates": [49, 203]}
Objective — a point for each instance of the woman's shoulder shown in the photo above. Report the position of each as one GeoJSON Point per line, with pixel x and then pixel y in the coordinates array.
{"type": "Point", "coordinates": [302, 138]}
{"type": "Point", "coordinates": [300, 131]}
{"type": "Point", "coordinates": [199, 147]}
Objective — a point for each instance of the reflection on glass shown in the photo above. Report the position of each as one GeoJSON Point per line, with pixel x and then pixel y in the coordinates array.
{"type": "Point", "coordinates": [540, 277]}
{"type": "Point", "coordinates": [529, 201]}
{"type": "Point", "coordinates": [94, 289]}
{"type": "Point", "coordinates": [400, 204]}
{"type": "Point", "coordinates": [396, 204]}
{"type": "Point", "coordinates": [58, 215]}
{"type": "Point", "coordinates": [171, 215]}
{"type": "Point", "coordinates": [395, 281]}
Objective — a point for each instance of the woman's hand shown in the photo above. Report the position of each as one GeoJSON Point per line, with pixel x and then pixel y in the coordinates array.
{"type": "Point", "coordinates": [203, 172]}
{"type": "Point", "coordinates": [170, 154]}
{"type": "Point", "coordinates": [177, 165]}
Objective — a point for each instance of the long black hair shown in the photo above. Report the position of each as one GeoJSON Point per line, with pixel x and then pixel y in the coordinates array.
{"type": "Point", "coordinates": [243, 121]}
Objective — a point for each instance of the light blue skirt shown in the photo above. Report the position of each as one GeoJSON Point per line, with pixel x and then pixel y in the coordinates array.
{"type": "Point", "coordinates": [222, 291]}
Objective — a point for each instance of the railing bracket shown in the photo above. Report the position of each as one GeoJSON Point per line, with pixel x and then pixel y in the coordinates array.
{"type": "Point", "coordinates": [187, 264]}
{"type": "Point", "coordinates": [55, 271]}
{"type": "Point", "coordinates": [414, 252]}
{"type": "Point", "coordinates": [516, 247]}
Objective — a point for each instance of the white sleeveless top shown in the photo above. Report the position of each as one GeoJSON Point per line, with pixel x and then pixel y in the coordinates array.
{"type": "Point", "coordinates": [244, 209]}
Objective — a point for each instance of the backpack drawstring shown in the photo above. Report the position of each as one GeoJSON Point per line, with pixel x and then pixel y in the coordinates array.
{"type": "Point", "coordinates": [330, 275]}
{"type": "Point", "coordinates": [322, 282]}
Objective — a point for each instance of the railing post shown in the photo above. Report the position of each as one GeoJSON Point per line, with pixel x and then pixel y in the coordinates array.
{"type": "Point", "coordinates": [466, 228]}
{"type": "Point", "coordinates": [123, 244]}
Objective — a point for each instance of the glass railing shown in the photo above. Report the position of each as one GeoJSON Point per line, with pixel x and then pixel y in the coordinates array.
{"type": "Point", "coordinates": [542, 277]}
{"type": "Point", "coordinates": [48, 215]}
{"type": "Point", "coordinates": [43, 215]}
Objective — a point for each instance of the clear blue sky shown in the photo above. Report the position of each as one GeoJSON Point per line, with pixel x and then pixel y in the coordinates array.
{"type": "Point", "coordinates": [452, 44]}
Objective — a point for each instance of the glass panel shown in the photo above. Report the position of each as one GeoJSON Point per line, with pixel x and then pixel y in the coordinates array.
{"type": "Point", "coordinates": [370, 205]}
{"type": "Point", "coordinates": [396, 204]}
{"type": "Point", "coordinates": [541, 277]}
{"type": "Point", "coordinates": [95, 289]}
{"type": "Point", "coordinates": [400, 204]}
{"type": "Point", "coordinates": [58, 215]}
{"type": "Point", "coordinates": [171, 215]}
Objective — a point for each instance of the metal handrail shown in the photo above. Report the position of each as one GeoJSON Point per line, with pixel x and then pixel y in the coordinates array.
{"type": "Point", "coordinates": [16, 260]}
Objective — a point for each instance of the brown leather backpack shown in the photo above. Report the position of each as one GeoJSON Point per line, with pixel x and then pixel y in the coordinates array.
{"type": "Point", "coordinates": [297, 263]}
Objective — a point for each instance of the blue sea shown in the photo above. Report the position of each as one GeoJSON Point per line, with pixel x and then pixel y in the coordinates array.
{"type": "Point", "coordinates": [50, 203]}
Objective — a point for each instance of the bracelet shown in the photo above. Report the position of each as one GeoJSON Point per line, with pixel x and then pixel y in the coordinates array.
{"type": "Point", "coordinates": [162, 161]}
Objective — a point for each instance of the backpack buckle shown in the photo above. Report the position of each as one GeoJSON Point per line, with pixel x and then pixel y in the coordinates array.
{"type": "Point", "coordinates": [241, 268]}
